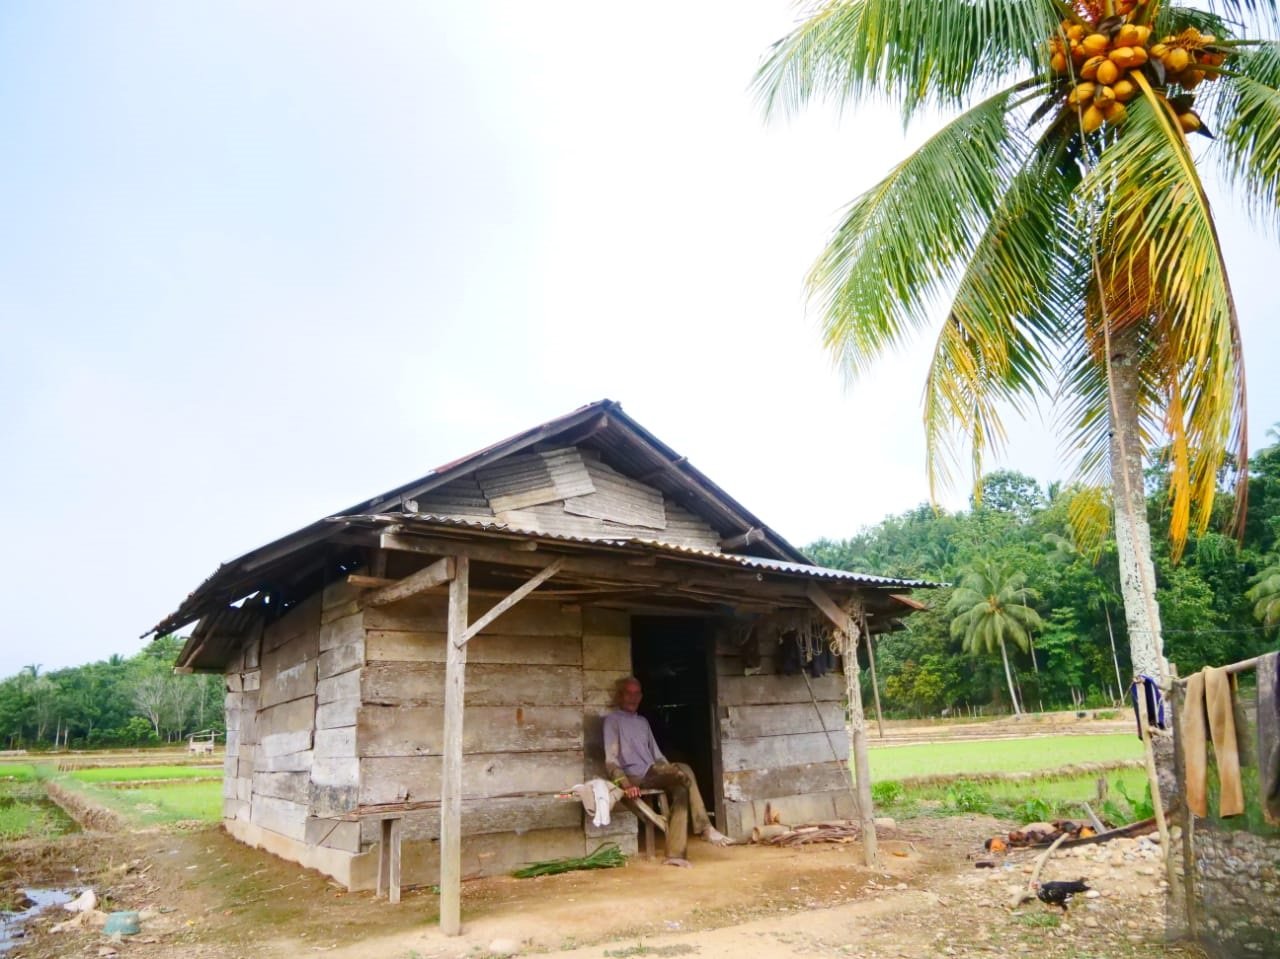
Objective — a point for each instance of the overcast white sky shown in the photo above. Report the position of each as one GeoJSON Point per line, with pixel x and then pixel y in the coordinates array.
{"type": "Point", "coordinates": [261, 261]}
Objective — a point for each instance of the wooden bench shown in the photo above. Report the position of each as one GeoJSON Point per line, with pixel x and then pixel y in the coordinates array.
{"type": "Point", "coordinates": [650, 819]}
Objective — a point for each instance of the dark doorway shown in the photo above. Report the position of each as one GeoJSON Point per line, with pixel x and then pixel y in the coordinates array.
{"type": "Point", "coordinates": [669, 656]}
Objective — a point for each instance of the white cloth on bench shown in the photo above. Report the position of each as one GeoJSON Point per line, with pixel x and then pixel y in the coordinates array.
{"type": "Point", "coordinates": [598, 797]}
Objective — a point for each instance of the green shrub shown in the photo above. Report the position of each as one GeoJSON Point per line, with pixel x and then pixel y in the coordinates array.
{"type": "Point", "coordinates": [886, 793]}
{"type": "Point", "coordinates": [965, 796]}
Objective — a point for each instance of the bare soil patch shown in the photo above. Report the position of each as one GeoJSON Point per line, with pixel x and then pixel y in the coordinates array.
{"type": "Point", "coordinates": [219, 899]}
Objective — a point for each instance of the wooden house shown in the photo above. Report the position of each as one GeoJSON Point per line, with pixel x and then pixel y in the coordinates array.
{"type": "Point", "coordinates": [445, 652]}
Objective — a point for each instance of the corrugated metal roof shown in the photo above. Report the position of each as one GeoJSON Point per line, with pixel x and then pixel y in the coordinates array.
{"type": "Point", "coordinates": [426, 520]}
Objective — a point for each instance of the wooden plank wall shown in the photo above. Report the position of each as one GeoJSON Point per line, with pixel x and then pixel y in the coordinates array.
{"type": "Point", "coordinates": [243, 680]}
{"type": "Point", "coordinates": [280, 786]}
{"type": "Point", "coordinates": [335, 767]}
{"type": "Point", "coordinates": [779, 743]}
{"type": "Point", "coordinates": [535, 690]}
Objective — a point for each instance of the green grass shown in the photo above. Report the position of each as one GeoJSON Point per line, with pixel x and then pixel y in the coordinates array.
{"type": "Point", "coordinates": [26, 813]}
{"type": "Point", "coordinates": [21, 772]}
{"type": "Point", "coordinates": [162, 804]}
{"type": "Point", "coordinates": [999, 755]}
{"type": "Point", "coordinates": [122, 774]}
{"type": "Point", "coordinates": [1036, 799]}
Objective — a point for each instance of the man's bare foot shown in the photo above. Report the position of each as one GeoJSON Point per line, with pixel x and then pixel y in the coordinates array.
{"type": "Point", "coordinates": [714, 836]}
{"type": "Point", "coordinates": [682, 863]}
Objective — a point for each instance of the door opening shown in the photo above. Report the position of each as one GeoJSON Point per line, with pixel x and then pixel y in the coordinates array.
{"type": "Point", "coordinates": [669, 656]}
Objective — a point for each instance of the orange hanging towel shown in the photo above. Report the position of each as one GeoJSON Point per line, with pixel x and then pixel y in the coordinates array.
{"type": "Point", "coordinates": [1194, 743]}
{"type": "Point", "coordinates": [1210, 701]}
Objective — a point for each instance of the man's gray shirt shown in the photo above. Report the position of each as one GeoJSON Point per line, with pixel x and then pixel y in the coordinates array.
{"type": "Point", "coordinates": [629, 746]}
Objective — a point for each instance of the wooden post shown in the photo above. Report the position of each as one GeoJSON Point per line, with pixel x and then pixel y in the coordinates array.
{"type": "Point", "coordinates": [858, 741]}
{"type": "Point", "coordinates": [875, 683]}
{"type": "Point", "coordinates": [451, 780]}
{"type": "Point", "coordinates": [847, 629]}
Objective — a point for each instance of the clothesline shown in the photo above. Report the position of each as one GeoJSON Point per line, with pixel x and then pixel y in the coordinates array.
{"type": "Point", "coordinates": [1243, 666]}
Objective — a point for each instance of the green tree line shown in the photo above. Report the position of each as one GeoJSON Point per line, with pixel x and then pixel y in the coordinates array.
{"type": "Point", "coordinates": [119, 701]}
{"type": "Point", "coordinates": [1023, 590]}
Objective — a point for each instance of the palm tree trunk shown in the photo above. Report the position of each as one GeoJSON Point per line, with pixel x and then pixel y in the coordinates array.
{"type": "Point", "coordinates": [1004, 654]}
{"type": "Point", "coordinates": [1133, 534]}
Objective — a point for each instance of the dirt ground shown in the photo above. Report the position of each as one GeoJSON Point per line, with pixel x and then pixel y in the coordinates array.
{"type": "Point", "coordinates": [209, 897]}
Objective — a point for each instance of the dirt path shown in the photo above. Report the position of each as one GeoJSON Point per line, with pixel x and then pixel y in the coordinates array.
{"type": "Point", "coordinates": [216, 899]}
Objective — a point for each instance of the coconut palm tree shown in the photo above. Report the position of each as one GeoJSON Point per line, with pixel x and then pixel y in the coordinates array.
{"type": "Point", "coordinates": [990, 606]}
{"type": "Point", "coordinates": [1062, 216]}
{"type": "Point", "coordinates": [1265, 596]}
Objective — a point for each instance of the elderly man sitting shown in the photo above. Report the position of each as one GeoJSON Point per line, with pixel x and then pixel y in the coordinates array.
{"type": "Point", "coordinates": [635, 762]}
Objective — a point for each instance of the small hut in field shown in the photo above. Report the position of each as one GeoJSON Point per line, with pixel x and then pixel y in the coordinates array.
{"type": "Point", "coordinates": [430, 667]}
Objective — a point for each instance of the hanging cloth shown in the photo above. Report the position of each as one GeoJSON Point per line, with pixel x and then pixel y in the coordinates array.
{"type": "Point", "coordinates": [1268, 672]}
{"type": "Point", "coordinates": [1210, 708]}
{"type": "Point", "coordinates": [1155, 703]}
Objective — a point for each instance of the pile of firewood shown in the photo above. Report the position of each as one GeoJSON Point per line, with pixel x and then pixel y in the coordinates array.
{"type": "Point", "coordinates": [834, 830]}
{"type": "Point", "coordinates": [775, 832]}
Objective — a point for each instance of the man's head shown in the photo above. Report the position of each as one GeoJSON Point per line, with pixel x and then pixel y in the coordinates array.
{"type": "Point", "coordinates": [629, 694]}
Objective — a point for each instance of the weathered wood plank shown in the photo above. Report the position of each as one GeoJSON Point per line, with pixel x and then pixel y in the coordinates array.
{"type": "Point", "coordinates": [422, 684]}
{"type": "Point", "coordinates": [342, 686]}
{"type": "Point", "coordinates": [285, 763]}
{"type": "Point", "coordinates": [302, 619]}
{"type": "Point", "coordinates": [395, 779]}
{"type": "Point", "coordinates": [487, 855]}
{"type": "Point", "coordinates": [339, 593]}
{"type": "Point", "coordinates": [770, 752]}
{"type": "Point", "coordinates": [509, 602]}
{"type": "Point", "coordinates": [482, 817]}
{"type": "Point", "coordinates": [340, 659]}
{"type": "Point", "coordinates": [745, 722]}
{"type": "Point", "coordinates": [251, 681]}
{"type": "Point", "coordinates": [280, 816]}
{"type": "Point", "coordinates": [335, 771]}
{"type": "Point", "coordinates": [419, 730]}
{"type": "Point", "coordinates": [441, 571]}
{"type": "Point", "coordinates": [745, 690]}
{"type": "Point", "coordinates": [295, 787]}
{"type": "Point", "coordinates": [740, 786]}
{"type": "Point", "coordinates": [742, 817]}
{"type": "Point", "coordinates": [330, 801]}
{"type": "Point", "coordinates": [235, 809]}
{"type": "Point", "coordinates": [599, 687]}
{"type": "Point", "coordinates": [428, 614]}
{"type": "Point", "coordinates": [333, 834]}
{"type": "Point", "coordinates": [253, 655]}
{"type": "Point", "coordinates": [335, 742]}
{"type": "Point", "coordinates": [606, 652]}
{"type": "Point", "coordinates": [293, 716]}
{"type": "Point", "coordinates": [407, 647]}
{"type": "Point", "coordinates": [606, 622]}
{"type": "Point", "coordinates": [289, 671]}
{"type": "Point", "coordinates": [735, 665]}
{"type": "Point", "coordinates": [451, 762]}
{"type": "Point", "coordinates": [341, 632]}
{"type": "Point", "coordinates": [336, 714]}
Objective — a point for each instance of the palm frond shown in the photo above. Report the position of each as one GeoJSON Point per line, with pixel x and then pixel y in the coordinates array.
{"type": "Point", "coordinates": [1249, 139]}
{"type": "Point", "coordinates": [1173, 18]}
{"type": "Point", "coordinates": [1265, 12]}
{"type": "Point", "coordinates": [1089, 519]}
{"type": "Point", "coordinates": [1161, 249]}
{"type": "Point", "coordinates": [1010, 310]}
{"type": "Point", "coordinates": [897, 246]}
{"type": "Point", "coordinates": [916, 52]}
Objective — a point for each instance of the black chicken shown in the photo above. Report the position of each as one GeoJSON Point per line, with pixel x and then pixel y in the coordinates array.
{"type": "Point", "coordinates": [1059, 893]}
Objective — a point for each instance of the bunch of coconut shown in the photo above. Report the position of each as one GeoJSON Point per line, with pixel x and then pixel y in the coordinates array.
{"type": "Point", "coordinates": [1102, 63]}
